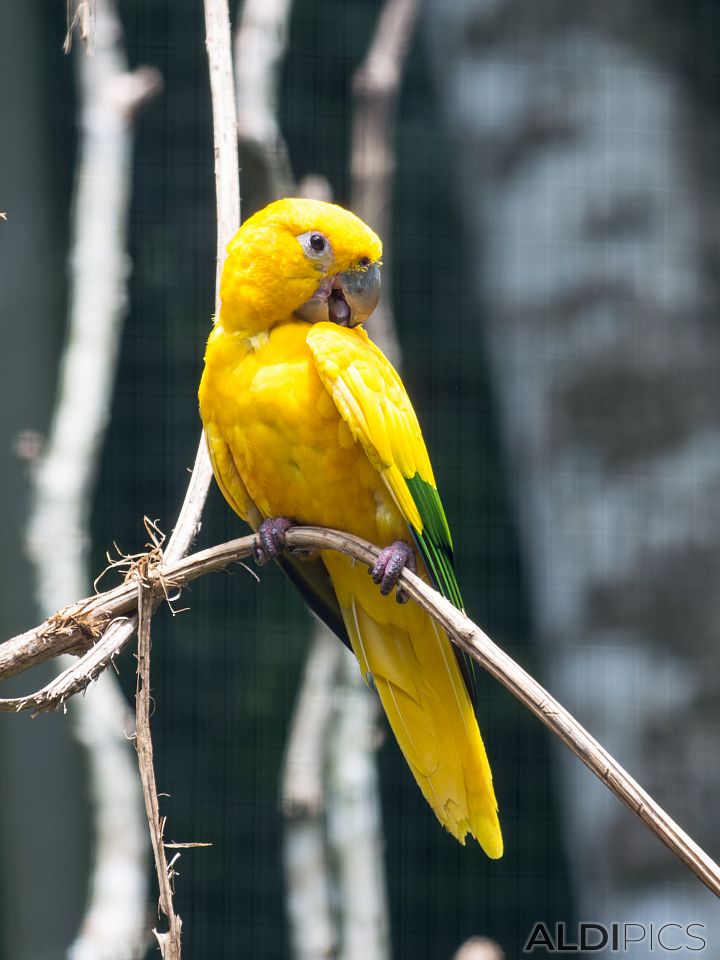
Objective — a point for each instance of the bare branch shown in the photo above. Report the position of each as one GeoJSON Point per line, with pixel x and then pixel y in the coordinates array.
{"type": "Point", "coordinates": [461, 631]}
{"type": "Point", "coordinates": [171, 942]}
{"type": "Point", "coordinates": [222, 90]}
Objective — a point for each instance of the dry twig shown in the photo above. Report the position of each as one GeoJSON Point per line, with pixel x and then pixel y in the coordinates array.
{"type": "Point", "coordinates": [170, 942]}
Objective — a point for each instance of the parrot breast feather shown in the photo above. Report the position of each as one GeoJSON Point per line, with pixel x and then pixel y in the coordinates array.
{"type": "Point", "coordinates": [372, 400]}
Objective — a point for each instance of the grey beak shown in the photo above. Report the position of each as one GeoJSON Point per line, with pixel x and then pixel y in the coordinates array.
{"type": "Point", "coordinates": [361, 290]}
{"type": "Point", "coordinates": [348, 299]}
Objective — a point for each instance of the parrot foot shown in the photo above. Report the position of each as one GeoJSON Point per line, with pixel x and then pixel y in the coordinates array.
{"type": "Point", "coordinates": [390, 564]}
{"type": "Point", "coordinates": [271, 539]}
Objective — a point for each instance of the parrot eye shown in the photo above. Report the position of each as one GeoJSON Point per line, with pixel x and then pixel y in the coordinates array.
{"type": "Point", "coordinates": [364, 262]}
{"type": "Point", "coordinates": [316, 246]}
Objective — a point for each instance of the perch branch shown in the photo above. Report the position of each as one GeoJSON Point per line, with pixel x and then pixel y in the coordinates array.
{"type": "Point", "coordinates": [462, 632]}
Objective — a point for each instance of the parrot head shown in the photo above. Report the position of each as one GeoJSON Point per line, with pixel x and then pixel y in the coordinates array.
{"type": "Point", "coordinates": [300, 258]}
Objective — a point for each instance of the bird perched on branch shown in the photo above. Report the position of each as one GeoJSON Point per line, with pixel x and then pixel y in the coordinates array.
{"type": "Point", "coordinates": [307, 422]}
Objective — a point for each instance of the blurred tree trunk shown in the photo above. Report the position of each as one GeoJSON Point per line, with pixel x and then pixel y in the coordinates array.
{"type": "Point", "coordinates": [42, 858]}
{"type": "Point", "coordinates": [591, 217]}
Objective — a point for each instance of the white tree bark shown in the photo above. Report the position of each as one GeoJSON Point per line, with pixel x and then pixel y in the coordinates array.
{"type": "Point", "coordinates": [588, 220]}
{"type": "Point", "coordinates": [113, 927]}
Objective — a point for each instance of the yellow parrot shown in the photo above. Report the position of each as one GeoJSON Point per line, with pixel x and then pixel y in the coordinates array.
{"type": "Point", "coordinates": [307, 422]}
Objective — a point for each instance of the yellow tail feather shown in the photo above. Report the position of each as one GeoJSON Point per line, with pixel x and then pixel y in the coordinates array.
{"type": "Point", "coordinates": [424, 696]}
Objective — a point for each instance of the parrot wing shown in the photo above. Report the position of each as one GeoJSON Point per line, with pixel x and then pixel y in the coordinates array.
{"type": "Point", "coordinates": [372, 400]}
{"type": "Point", "coordinates": [418, 681]}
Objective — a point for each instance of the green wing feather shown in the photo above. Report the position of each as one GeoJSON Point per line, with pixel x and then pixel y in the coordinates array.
{"type": "Point", "coordinates": [435, 542]}
{"type": "Point", "coordinates": [436, 549]}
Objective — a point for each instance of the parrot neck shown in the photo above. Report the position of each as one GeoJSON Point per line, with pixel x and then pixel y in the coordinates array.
{"type": "Point", "coordinates": [247, 319]}
{"type": "Point", "coordinates": [250, 309]}
{"type": "Point", "coordinates": [253, 300]}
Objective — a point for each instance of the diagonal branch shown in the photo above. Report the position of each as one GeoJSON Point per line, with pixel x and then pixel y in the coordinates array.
{"type": "Point", "coordinates": [461, 631]}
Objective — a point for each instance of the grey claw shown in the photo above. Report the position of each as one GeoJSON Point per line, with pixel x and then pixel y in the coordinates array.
{"type": "Point", "coordinates": [271, 539]}
{"type": "Point", "coordinates": [390, 564]}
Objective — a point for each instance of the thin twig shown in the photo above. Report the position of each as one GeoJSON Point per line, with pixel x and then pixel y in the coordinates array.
{"type": "Point", "coordinates": [461, 631]}
{"type": "Point", "coordinates": [222, 89]}
{"type": "Point", "coordinates": [80, 625]}
{"type": "Point", "coordinates": [170, 942]}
